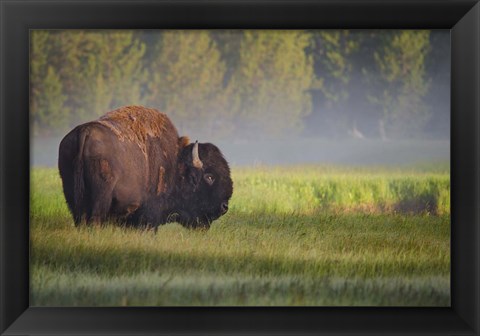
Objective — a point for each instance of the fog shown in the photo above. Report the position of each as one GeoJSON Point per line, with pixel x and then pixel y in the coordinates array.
{"type": "Point", "coordinates": [301, 151]}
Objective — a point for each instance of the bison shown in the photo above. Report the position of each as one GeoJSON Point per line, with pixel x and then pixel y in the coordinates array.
{"type": "Point", "coordinates": [131, 166]}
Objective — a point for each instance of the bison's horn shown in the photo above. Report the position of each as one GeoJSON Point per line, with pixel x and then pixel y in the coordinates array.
{"type": "Point", "coordinates": [197, 163]}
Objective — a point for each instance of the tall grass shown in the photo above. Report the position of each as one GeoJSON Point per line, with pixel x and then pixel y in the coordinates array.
{"type": "Point", "coordinates": [308, 189]}
{"type": "Point", "coordinates": [293, 236]}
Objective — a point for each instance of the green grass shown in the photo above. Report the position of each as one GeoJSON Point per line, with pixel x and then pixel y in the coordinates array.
{"type": "Point", "coordinates": [305, 235]}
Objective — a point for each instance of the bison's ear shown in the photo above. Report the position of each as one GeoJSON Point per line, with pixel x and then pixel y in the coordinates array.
{"type": "Point", "coordinates": [183, 141]}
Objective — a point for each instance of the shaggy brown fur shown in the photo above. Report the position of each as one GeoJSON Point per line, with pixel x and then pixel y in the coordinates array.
{"type": "Point", "coordinates": [136, 124]}
{"type": "Point", "coordinates": [131, 165]}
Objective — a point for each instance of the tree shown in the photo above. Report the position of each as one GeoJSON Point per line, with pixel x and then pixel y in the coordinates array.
{"type": "Point", "coordinates": [123, 55]}
{"type": "Point", "coordinates": [401, 83]}
{"type": "Point", "coordinates": [99, 70]}
{"type": "Point", "coordinates": [270, 86]}
{"type": "Point", "coordinates": [47, 100]}
{"type": "Point", "coordinates": [186, 82]}
{"type": "Point", "coordinates": [228, 43]}
{"type": "Point", "coordinates": [334, 53]}
{"type": "Point", "coordinates": [50, 116]}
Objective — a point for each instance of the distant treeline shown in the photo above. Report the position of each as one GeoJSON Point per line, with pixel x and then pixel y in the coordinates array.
{"type": "Point", "coordinates": [238, 83]}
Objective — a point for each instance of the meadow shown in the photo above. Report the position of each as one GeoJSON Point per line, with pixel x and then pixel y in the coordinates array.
{"type": "Point", "coordinates": [294, 235]}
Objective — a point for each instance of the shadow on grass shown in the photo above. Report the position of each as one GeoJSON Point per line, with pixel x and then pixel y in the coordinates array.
{"type": "Point", "coordinates": [99, 271]}
{"type": "Point", "coordinates": [128, 260]}
{"type": "Point", "coordinates": [418, 205]}
{"type": "Point", "coordinates": [152, 289]}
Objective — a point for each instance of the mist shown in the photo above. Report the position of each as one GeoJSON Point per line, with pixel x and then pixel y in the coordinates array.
{"type": "Point", "coordinates": [300, 151]}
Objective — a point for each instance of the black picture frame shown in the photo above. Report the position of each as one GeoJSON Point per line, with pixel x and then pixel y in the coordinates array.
{"type": "Point", "coordinates": [17, 17]}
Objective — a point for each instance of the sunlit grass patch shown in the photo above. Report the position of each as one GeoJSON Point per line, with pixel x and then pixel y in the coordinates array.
{"type": "Point", "coordinates": [306, 189]}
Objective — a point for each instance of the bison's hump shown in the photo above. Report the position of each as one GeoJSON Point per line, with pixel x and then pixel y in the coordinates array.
{"type": "Point", "coordinates": [136, 124]}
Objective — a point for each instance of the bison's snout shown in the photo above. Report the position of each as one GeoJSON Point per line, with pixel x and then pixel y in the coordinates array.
{"type": "Point", "coordinates": [224, 208]}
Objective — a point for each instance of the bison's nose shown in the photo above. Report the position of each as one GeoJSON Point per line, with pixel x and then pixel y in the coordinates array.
{"type": "Point", "coordinates": [224, 207]}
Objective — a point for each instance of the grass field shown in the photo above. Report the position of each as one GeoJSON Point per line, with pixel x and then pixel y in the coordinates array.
{"type": "Point", "coordinates": [309, 235]}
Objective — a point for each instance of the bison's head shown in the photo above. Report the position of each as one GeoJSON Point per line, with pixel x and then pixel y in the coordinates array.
{"type": "Point", "coordinates": [206, 185]}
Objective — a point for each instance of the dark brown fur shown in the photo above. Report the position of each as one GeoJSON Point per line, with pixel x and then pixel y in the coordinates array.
{"type": "Point", "coordinates": [131, 166]}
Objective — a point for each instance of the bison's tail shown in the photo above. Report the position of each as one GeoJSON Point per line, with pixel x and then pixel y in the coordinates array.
{"type": "Point", "coordinates": [78, 179]}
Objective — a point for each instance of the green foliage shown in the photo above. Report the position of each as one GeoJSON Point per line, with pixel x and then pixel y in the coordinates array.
{"type": "Point", "coordinates": [47, 98]}
{"type": "Point", "coordinates": [228, 42]}
{"type": "Point", "coordinates": [49, 113]}
{"type": "Point", "coordinates": [83, 74]}
{"type": "Point", "coordinates": [223, 83]}
{"type": "Point", "coordinates": [108, 71]}
{"type": "Point", "coordinates": [186, 81]}
{"type": "Point", "coordinates": [293, 236]}
{"type": "Point", "coordinates": [270, 85]}
{"type": "Point", "coordinates": [332, 52]}
{"type": "Point", "coordinates": [401, 72]}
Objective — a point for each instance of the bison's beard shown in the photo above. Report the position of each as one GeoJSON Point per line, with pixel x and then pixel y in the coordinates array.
{"type": "Point", "coordinates": [191, 222]}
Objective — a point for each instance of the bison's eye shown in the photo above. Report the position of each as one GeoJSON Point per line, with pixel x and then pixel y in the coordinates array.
{"type": "Point", "coordinates": [209, 178]}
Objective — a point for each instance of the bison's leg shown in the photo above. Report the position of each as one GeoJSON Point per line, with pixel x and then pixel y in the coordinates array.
{"type": "Point", "coordinates": [67, 175]}
{"type": "Point", "coordinates": [126, 201]}
{"type": "Point", "coordinates": [70, 168]}
{"type": "Point", "coordinates": [101, 183]}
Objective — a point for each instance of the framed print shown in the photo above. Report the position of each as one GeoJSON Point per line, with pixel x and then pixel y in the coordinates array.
{"type": "Point", "coordinates": [333, 188]}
